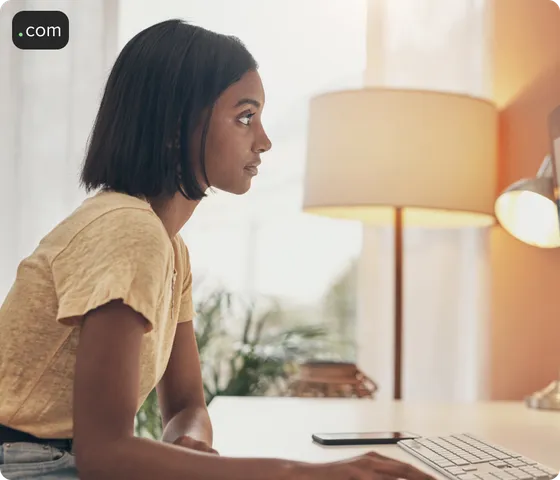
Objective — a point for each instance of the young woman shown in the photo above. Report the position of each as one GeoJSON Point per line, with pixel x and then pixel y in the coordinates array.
{"type": "Point", "coordinates": [100, 313]}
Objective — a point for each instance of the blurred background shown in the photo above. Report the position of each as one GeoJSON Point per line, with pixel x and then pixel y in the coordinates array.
{"type": "Point", "coordinates": [275, 286]}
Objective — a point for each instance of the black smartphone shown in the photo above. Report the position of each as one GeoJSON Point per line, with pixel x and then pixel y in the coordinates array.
{"type": "Point", "coordinates": [362, 438]}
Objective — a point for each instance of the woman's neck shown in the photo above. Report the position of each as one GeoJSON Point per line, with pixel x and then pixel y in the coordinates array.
{"type": "Point", "coordinates": [173, 212]}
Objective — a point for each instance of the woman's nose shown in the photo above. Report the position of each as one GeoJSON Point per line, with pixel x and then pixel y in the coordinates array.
{"type": "Point", "coordinates": [265, 144]}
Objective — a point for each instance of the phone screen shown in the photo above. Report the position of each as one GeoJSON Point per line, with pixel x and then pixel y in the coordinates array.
{"type": "Point", "coordinates": [362, 438]}
{"type": "Point", "coordinates": [366, 435]}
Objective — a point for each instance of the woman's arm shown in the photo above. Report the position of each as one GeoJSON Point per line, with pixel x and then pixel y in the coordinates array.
{"type": "Point", "coordinates": [180, 391]}
{"type": "Point", "coordinates": [105, 401]}
{"type": "Point", "coordinates": [190, 428]}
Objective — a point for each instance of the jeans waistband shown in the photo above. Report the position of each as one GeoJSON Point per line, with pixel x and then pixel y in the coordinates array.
{"type": "Point", "coordinates": [11, 435]}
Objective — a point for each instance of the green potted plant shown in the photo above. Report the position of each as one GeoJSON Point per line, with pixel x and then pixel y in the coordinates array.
{"type": "Point", "coordinates": [247, 348]}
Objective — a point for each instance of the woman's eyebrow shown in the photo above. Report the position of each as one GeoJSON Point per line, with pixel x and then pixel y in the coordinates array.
{"type": "Point", "coordinates": [249, 101]}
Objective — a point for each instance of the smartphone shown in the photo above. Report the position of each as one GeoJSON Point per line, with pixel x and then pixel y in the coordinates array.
{"type": "Point", "coordinates": [363, 438]}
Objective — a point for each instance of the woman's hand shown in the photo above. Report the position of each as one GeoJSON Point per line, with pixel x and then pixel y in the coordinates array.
{"type": "Point", "coordinates": [370, 466]}
{"type": "Point", "coordinates": [188, 442]}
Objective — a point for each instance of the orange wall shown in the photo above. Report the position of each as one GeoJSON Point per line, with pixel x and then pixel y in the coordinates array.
{"type": "Point", "coordinates": [525, 353]}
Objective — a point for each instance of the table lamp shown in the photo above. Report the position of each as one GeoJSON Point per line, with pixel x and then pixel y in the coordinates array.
{"type": "Point", "coordinates": [530, 211]}
{"type": "Point", "coordinates": [401, 157]}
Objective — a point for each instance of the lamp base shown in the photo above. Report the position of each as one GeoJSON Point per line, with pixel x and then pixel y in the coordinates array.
{"type": "Point", "coordinates": [546, 399]}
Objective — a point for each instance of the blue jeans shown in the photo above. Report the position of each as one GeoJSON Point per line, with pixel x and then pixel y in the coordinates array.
{"type": "Point", "coordinates": [34, 461]}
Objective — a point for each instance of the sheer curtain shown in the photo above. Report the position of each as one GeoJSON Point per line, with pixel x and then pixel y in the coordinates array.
{"type": "Point", "coordinates": [445, 46]}
{"type": "Point", "coordinates": [48, 102]}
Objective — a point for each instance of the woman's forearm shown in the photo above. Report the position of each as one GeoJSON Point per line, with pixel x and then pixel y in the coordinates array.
{"type": "Point", "coordinates": [193, 421]}
{"type": "Point", "coordinates": [143, 459]}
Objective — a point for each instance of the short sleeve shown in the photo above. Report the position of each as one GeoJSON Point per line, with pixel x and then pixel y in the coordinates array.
{"type": "Point", "coordinates": [186, 309]}
{"type": "Point", "coordinates": [125, 255]}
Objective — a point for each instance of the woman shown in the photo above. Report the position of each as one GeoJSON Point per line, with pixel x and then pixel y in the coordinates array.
{"type": "Point", "coordinates": [101, 312]}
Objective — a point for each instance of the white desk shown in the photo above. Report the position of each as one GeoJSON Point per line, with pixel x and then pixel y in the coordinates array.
{"type": "Point", "coordinates": [282, 427]}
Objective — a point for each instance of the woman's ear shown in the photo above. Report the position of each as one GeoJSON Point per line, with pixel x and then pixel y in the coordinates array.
{"type": "Point", "coordinates": [176, 144]}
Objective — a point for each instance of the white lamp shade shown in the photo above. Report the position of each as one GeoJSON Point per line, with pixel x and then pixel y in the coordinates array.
{"type": "Point", "coordinates": [527, 211]}
{"type": "Point", "coordinates": [432, 153]}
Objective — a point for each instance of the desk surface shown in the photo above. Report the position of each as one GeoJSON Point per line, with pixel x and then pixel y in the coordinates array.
{"type": "Point", "coordinates": [282, 427]}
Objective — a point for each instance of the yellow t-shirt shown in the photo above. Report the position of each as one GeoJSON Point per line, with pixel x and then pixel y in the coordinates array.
{"type": "Point", "coordinates": [112, 247]}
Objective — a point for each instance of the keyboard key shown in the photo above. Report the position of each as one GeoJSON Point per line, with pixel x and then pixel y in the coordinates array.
{"type": "Point", "coordinates": [499, 464]}
{"type": "Point", "coordinates": [504, 475]}
{"type": "Point", "coordinates": [536, 473]}
{"type": "Point", "coordinates": [470, 458]}
{"type": "Point", "coordinates": [432, 456]}
{"type": "Point", "coordinates": [512, 454]}
{"type": "Point", "coordinates": [525, 476]}
{"type": "Point", "coordinates": [519, 474]}
{"type": "Point", "coordinates": [502, 456]}
{"type": "Point", "coordinates": [455, 470]}
{"type": "Point", "coordinates": [485, 476]}
{"type": "Point", "coordinates": [550, 471]}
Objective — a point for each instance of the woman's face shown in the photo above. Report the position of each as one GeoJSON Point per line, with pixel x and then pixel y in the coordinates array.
{"type": "Point", "coordinates": [236, 137]}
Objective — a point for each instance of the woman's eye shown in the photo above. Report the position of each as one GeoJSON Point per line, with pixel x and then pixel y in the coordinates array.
{"type": "Point", "coordinates": [246, 119]}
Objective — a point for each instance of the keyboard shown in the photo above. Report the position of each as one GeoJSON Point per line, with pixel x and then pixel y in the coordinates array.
{"type": "Point", "coordinates": [464, 457]}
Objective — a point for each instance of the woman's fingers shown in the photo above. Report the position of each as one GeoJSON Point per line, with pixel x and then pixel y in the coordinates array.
{"type": "Point", "coordinates": [191, 443]}
{"type": "Point", "coordinates": [396, 469]}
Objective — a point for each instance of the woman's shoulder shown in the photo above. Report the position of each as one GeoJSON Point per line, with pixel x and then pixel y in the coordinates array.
{"type": "Point", "coordinates": [110, 221]}
{"type": "Point", "coordinates": [115, 207]}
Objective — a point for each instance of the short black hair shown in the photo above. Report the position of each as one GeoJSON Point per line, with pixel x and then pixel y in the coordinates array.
{"type": "Point", "coordinates": [164, 82]}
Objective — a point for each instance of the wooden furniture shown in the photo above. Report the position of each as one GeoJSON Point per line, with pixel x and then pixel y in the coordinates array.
{"type": "Point", "coordinates": [331, 379]}
{"type": "Point", "coordinates": [282, 427]}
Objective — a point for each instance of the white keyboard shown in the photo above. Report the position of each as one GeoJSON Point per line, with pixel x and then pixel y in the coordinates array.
{"type": "Point", "coordinates": [464, 457]}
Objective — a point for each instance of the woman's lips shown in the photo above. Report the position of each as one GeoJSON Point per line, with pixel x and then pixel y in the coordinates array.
{"type": "Point", "coordinates": [252, 170]}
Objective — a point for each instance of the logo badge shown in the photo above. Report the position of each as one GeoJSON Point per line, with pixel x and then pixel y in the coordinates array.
{"type": "Point", "coordinates": [40, 30]}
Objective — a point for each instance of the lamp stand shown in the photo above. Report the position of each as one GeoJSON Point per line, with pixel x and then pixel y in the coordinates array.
{"type": "Point", "coordinates": [398, 302]}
